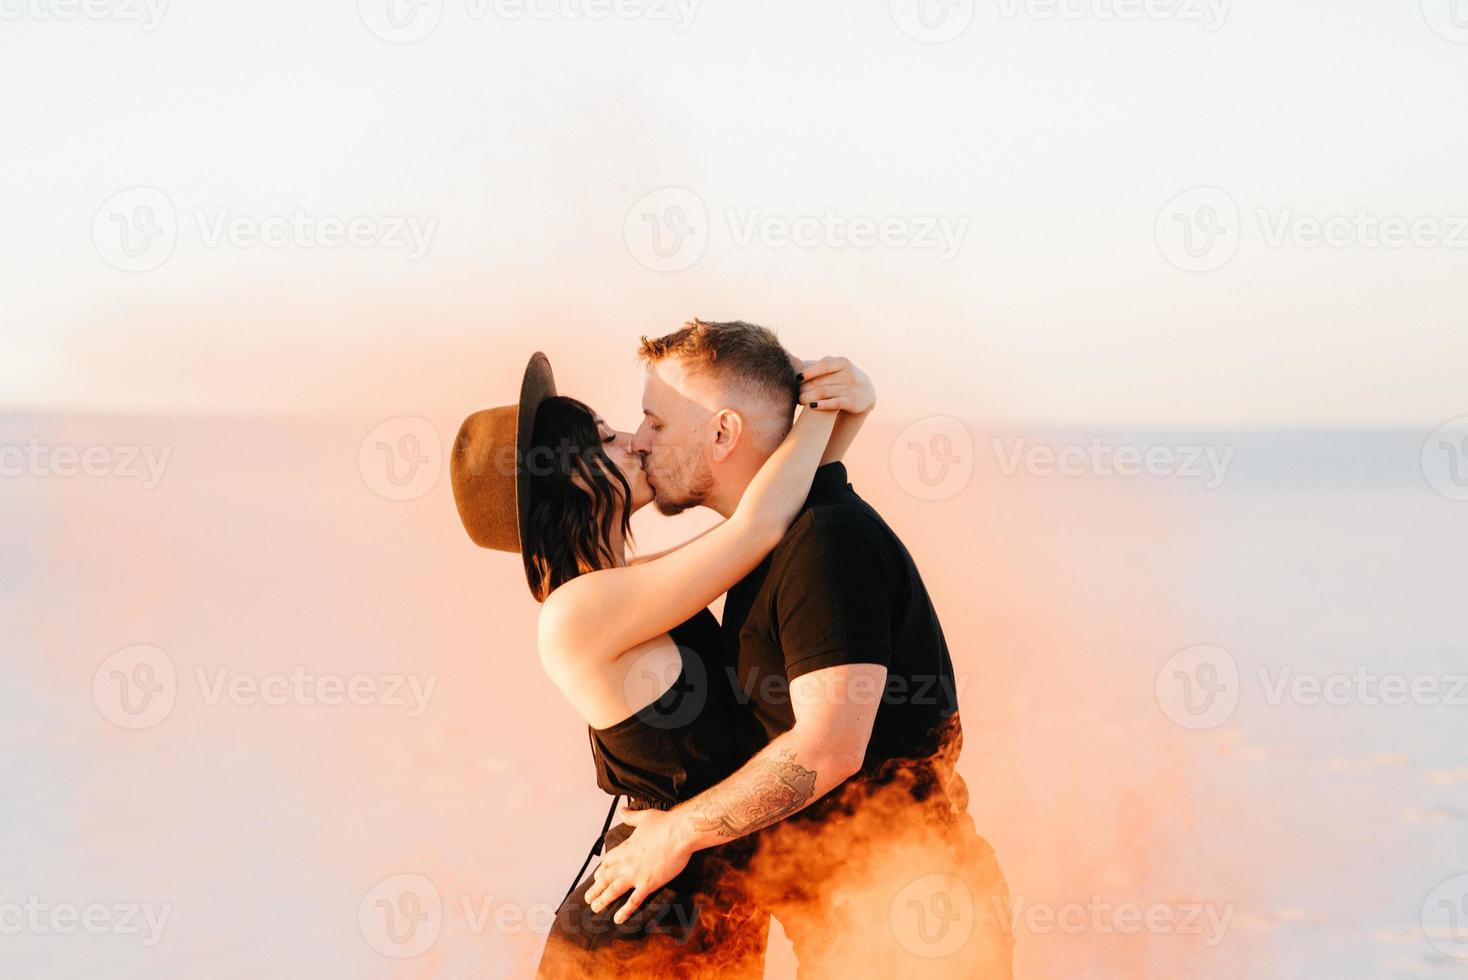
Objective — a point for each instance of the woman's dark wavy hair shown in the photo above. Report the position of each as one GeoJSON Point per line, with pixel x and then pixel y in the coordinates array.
{"type": "Point", "coordinates": [571, 521]}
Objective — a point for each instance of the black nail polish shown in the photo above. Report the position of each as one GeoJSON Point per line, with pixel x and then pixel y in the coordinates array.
{"type": "Point", "coordinates": [800, 377]}
{"type": "Point", "coordinates": [812, 404]}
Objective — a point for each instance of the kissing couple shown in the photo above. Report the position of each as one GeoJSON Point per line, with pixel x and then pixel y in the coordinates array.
{"type": "Point", "coordinates": [796, 759]}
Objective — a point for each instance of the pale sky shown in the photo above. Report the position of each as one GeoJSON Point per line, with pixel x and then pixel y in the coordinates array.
{"type": "Point", "coordinates": [523, 151]}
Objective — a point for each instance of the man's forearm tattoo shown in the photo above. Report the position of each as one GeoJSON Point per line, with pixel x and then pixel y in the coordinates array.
{"type": "Point", "coordinates": [779, 788]}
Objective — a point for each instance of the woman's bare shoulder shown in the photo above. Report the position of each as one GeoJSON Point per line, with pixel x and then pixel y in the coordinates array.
{"type": "Point", "coordinates": [568, 615]}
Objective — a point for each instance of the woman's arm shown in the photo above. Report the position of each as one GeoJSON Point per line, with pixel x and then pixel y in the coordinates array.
{"type": "Point", "coordinates": [607, 612]}
{"type": "Point", "coordinates": [834, 383]}
{"type": "Point", "coordinates": [643, 559]}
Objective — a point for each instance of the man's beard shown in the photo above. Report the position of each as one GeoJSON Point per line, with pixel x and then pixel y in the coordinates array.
{"type": "Point", "coordinates": [699, 484]}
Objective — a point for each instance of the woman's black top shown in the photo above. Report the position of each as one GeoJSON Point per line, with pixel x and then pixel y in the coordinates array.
{"type": "Point", "coordinates": [673, 749]}
{"type": "Point", "coordinates": [685, 741]}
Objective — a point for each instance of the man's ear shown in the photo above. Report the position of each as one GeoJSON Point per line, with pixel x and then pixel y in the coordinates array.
{"type": "Point", "coordinates": [728, 430]}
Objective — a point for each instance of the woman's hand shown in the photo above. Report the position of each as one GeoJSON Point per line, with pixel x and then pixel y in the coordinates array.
{"type": "Point", "coordinates": [835, 384]}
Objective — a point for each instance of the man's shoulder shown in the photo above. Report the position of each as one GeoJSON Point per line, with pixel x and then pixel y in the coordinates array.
{"type": "Point", "coordinates": [846, 525]}
{"type": "Point", "coordinates": [843, 513]}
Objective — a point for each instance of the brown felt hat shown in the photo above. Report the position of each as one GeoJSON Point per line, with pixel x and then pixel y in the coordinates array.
{"type": "Point", "coordinates": [491, 485]}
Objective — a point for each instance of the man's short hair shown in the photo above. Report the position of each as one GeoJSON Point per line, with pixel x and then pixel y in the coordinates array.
{"type": "Point", "coordinates": [743, 354]}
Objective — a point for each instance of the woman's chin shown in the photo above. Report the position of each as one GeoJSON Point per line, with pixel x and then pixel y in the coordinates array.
{"type": "Point", "coordinates": [642, 494]}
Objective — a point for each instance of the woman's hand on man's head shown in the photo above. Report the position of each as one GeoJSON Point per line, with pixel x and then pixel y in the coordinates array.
{"type": "Point", "coordinates": [835, 384]}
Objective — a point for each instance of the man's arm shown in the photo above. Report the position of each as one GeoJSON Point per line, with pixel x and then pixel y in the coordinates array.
{"type": "Point", "coordinates": [834, 710]}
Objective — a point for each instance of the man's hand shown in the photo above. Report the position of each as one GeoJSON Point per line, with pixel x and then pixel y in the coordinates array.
{"type": "Point", "coordinates": [835, 384]}
{"type": "Point", "coordinates": [835, 708]}
{"type": "Point", "coordinates": [653, 856]}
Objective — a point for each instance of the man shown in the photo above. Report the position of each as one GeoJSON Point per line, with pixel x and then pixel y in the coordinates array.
{"type": "Point", "coordinates": [837, 648]}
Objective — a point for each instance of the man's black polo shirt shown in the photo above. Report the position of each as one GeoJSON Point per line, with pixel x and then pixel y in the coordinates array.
{"type": "Point", "coordinates": [841, 589]}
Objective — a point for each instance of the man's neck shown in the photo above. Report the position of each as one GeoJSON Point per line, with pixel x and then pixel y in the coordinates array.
{"type": "Point", "coordinates": [729, 489]}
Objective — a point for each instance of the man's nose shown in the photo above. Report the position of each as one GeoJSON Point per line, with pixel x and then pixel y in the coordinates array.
{"type": "Point", "coordinates": [639, 441]}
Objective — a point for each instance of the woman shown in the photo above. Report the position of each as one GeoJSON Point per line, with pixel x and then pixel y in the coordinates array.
{"type": "Point", "coordinates": [633, 648]}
